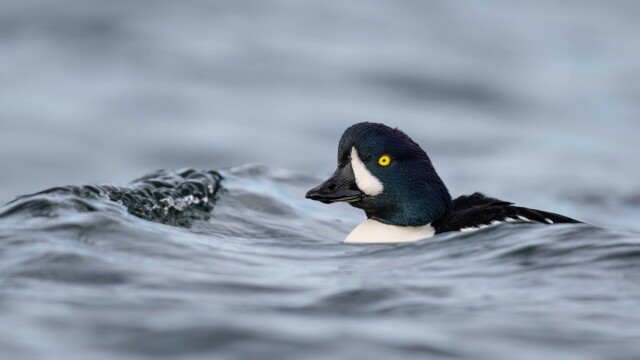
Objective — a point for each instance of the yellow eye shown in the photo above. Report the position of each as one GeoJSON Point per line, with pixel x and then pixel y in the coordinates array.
{"type": "Point", "coordinates": [384, 160]}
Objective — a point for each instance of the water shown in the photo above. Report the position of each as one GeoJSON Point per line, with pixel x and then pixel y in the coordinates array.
{"type": "Point", "coordinates": [264, 276]}
{"type": "Point", "coordinates": [533, 102]}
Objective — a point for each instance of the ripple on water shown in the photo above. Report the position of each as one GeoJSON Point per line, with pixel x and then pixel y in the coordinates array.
{"type": "Point", "coordinates": [253, 269]}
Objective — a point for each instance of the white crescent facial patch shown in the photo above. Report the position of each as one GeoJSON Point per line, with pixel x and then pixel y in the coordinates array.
{"type": "Point", "coordinates": [367, 183]}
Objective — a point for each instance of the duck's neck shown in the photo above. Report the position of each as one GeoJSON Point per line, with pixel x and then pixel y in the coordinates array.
{"type": "Point", "coordinates": [375, 232]}
{"type": "Point", "coordinates": [411, 204]}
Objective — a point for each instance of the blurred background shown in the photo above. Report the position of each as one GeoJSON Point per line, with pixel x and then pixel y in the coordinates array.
{"type": "Point", "coordinates": [536, 102]}
{"type": "Point", "coordinates": [528, 100]}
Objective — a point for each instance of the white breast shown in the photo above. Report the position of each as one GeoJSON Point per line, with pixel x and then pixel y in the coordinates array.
{"type": "Point", "coordinates": [372, 231]}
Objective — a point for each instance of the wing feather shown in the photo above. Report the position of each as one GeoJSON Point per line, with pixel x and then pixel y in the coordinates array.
{"type": "Point", "coordinates": [478, 211]}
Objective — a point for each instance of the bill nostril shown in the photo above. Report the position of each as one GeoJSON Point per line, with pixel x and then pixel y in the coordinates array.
{"type": "Point", "coordinates": [331, 187]}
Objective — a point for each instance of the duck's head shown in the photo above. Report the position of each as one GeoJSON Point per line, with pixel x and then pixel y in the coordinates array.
{"type": "Point", "coordinates": [386, 174]}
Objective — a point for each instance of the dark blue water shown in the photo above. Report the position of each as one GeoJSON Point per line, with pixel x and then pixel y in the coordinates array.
{"type": "Point", "coordinates": [534, 102]}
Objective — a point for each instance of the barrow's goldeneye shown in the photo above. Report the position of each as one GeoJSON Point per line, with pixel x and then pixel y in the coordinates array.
{"type": "Point", "coordinates": [386, 174]}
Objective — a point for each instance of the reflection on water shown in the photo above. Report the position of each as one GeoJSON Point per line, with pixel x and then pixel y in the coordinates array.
{"type": "Point", "coordinates": [534, 102]}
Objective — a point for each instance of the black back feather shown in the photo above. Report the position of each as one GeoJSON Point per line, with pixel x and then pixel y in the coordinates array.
{"type": "Point", "coordinates": [474, 210]}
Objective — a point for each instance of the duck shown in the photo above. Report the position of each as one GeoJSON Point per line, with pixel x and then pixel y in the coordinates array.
{"type": "Point", "coordinates": [382, 171]}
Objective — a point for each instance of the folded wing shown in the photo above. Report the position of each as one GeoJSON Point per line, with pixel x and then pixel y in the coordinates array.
{"type": "Point", "coordinates": [476, 211]}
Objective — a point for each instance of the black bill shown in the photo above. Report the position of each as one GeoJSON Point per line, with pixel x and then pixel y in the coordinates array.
{"type": "Point", "coordinates": [341, 186]}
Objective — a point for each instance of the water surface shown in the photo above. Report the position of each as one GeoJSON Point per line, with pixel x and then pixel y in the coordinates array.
{"type": "Point", "coordinates": [264, 275]}
{"type": "Point", "coordinates": [534, 102]}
